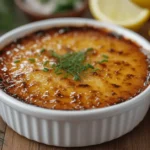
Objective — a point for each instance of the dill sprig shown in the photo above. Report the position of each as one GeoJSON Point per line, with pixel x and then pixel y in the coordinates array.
{"type": "Point", "coordinates": [45, 63]}
{"type": "Point", "coordinates": [31, 60]}
{"type": "Point", "coordinates": [104, 59]}
{"type": "Point", "coordinates": [17, 61]}
{"type": "Point", "coordinates": [71, 63]}
{"type": "Point", "coordinates": [45, 69]}
{"type": "Point", "coordinates": [42, 50]}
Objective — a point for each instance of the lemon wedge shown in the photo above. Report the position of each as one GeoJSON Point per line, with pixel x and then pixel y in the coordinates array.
{"type": "Point", "coordinates": [120, 12]}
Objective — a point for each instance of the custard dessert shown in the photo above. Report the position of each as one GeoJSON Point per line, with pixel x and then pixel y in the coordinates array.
{"type": "Point", "coordinates": [73, 68]}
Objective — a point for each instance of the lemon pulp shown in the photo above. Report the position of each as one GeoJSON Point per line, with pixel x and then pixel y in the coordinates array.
{"type": "Point", "coordinates": [121, 12]}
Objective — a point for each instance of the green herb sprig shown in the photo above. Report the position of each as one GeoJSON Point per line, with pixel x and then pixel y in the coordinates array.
{"type": "Point", "coordinates": [45, 63]}
{"type": "Point", "coordinates": [104, 59]}
{"type": "Point", "coordinates": [42, 50]}
{"type": "Point", "coordinates": [45, 69]}
{"type": "Point", "coordinates": [31, 60]}
{"type": "Point", "coordinates": [17, 61]}
{"type": "Point", "coordinates": [71, 63]}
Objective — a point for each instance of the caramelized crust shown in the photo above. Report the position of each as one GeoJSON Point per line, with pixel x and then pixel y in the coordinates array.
{"type": "Point", "coordinates": [115, 81]}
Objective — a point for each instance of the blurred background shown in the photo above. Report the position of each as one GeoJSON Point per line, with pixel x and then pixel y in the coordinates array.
{"type": "Point", "coordinates": [10, 16]}
{"type": "Point", "coordinates": [14, 13]}
{"type": "Point", "coordinates": [132, 14]}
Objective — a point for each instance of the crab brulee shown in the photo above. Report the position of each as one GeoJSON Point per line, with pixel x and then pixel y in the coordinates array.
{"type": "Point", "coordinates": [73, 68]}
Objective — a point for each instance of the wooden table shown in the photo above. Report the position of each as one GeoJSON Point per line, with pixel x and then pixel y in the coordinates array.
{"type": "Point", "coordinates": [138, 139]}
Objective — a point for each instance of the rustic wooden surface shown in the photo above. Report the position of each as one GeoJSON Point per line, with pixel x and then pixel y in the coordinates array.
{"type": "Point", "coordinates": [138, 139]}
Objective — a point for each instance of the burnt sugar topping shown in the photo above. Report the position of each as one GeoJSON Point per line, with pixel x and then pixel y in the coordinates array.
{"type": "Point", "coordinates": [73, 68]}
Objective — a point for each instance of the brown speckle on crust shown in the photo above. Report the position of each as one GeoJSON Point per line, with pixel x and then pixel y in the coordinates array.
{"type": "Point", "coordinates": [123, 76]}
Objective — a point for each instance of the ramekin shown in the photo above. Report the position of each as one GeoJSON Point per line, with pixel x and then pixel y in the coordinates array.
{"type": "Point", "coordinates": [73, 128]}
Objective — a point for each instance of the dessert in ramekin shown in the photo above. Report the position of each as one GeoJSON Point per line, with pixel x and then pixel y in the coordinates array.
{"type": "Point", "coordinates": [107, 97]}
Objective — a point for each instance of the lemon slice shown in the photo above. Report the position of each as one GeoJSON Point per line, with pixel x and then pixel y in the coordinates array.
{"type": "Point", "coordinates": [121, 12]}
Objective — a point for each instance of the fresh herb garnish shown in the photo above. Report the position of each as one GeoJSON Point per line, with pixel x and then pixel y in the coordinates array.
{"type": "Point", "coordinates": [17, 61]}
{"type": "Point", "coordinates": [32, 60]}
{"type": "Point", "coordinates": [42, 50]}
{"type": "Point", "coordinates": [105, 56]}
{"type": "Point", "coordinates": [55, 54]}
{"type": "Point", "coordinates": [95, 69]}
{"type": "Point", "coordinates": [105, 59]}
{"type": "Point", "coordinates": [45, 69]}
{"type": "Point", "coordinates": [45, 63]}
{"type": "Point", "coordinates": [71, 63]}
{"type": "Point", "coordinates": [89, 49]}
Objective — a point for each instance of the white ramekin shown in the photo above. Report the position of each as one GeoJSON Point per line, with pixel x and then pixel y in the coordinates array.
{"type": "Point", "coordinates": [73, 128]}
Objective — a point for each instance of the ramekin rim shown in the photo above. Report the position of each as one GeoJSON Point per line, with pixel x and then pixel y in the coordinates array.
{"type": "Point", "coordinates": [64, 113]}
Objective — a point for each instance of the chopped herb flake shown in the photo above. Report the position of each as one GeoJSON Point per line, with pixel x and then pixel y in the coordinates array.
{"type": "Point", "coordinates": [95, 69]}
{"type": "Point", "coordinates": [55, 54]}
{"type": "Point", "coordinates": [17, 61]}
{"type": "Point", "coordinates": [105, 59]}
{"type": "Point", "coordinates": [42, 50]}
{"type": "Point", "coordinates": [45, 63]}
{"type": "Point", "coordinates": [32, 60]}
{"type": "Point", "coordinates": [45, 69]}
{"type": "Point", "coordinates": [105, 56]}
{"type": "Point", "coordinates": [89, 49]}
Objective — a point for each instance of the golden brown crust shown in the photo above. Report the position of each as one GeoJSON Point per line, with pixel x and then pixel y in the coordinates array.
{"type": "Point", "coordinates": [117, 80]}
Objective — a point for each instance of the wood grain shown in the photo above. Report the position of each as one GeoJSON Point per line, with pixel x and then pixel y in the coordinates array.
{"type": "Point", "coordinates": [2, 132]}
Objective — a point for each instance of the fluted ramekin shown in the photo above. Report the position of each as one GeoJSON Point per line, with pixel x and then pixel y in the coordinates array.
{"type": "Point", "coordinates": [73, 128]}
